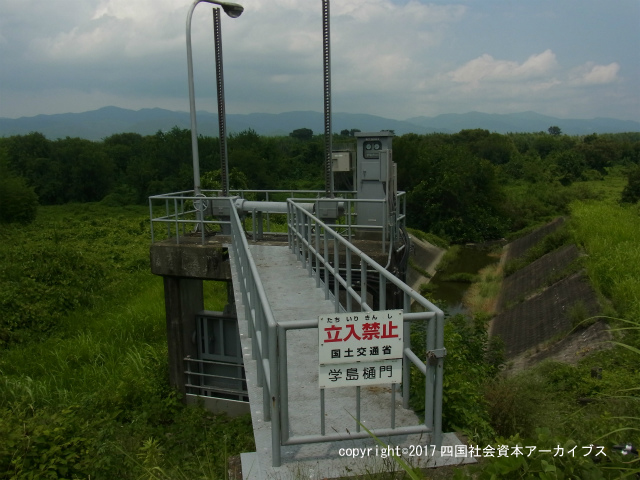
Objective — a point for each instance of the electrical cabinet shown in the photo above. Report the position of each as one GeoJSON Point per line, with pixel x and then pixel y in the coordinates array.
{"type": "Point", "coordinates": [341, 161]}
{"type": "Point", "coordinates": [375, 178]}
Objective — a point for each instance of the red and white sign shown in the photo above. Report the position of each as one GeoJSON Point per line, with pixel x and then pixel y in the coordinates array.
{"type": "Point", "coordinates": [363, 348]}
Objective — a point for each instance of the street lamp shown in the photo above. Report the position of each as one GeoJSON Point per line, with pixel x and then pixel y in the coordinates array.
{"type": "Point", "coordinates": [234, 11]}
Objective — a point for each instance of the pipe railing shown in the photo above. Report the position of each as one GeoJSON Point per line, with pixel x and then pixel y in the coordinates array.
{"type": "Point", "coordinates": [310, 238]}
{"type": "Point", "coordinates": [319, 248]}
{"type": "Point", "coordinates": [200, 383]}
{"type": "Point", "coordinates": [184, 213]}
{"type": "Point", "coordinates": [262, 329]}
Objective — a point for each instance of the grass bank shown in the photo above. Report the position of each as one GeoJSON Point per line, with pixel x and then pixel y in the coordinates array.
{"type": "Point", "coordinates": [555, 404]}
{"type": "Point", "coordinates": [86, 393]}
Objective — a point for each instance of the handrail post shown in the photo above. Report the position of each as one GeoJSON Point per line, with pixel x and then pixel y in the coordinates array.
{"type": "Point", "coordinates": [349, 279]}
{"type": "Point", "coordinates": [308, 235]}
{"type": "Point", "coordinates": [363, 285]}
{"type": "Point", "coordinates": [406, 369]}
{"type": "Point", "coordinates": [284, 384]}
{"type": "Point", "coordinates": [336, 274]}
{"type": "Point", "coordinates": [326, 265]}
{"type": "Point", "coordinates": [289, 217]}
{"type": "Point", "coordinates": [317, 255]}
{"type": "Point", "coordinates": [431, 380]}
{"type": "Point", "coordinates": [274, 392]}
{"type": "Point", "coordinates": [439, 380]}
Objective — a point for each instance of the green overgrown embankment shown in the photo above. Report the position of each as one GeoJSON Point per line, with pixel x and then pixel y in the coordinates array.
{"type": "Point", "coordinates": [84, 388]}
{"type": "Point", "coordinates": [596, 401]}
{"type": "Point", "coordinates": [609, 234]}
{"type": "Point", "coordinates": [555, 404]}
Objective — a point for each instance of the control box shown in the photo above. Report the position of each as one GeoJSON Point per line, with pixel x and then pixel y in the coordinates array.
{"type": "Point", "coordinates": [341, 161]}
{"type": "Point", "coordinates": [375, 178]}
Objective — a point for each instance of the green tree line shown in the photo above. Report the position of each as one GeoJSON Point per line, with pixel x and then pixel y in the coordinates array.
{"type": "Point", "coordinates": [466, 186]}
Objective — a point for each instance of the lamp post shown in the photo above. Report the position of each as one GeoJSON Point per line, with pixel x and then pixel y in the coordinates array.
{"type": "Point", "coordinates": [234, 11]}
{"type": "Point", "coordinates": [326, 57]}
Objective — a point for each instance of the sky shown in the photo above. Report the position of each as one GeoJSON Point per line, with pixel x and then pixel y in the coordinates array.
{"type": "Point", "coordinates": [393, 58]}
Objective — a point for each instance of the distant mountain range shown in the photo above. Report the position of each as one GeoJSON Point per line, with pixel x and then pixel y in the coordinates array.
{"type": "Point", "coordinates": [99, 124]}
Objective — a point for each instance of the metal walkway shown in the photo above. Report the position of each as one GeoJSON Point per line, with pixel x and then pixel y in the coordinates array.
{"type": "Point", "coordinates": [293, 296]}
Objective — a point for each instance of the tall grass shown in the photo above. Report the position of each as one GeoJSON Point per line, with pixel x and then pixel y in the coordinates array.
{"type": "Point", "coordinates": [609, 235]}
{"type": "Point", "coordinates": [88, 397]}
{"type": "Point", "coordinates": [482, 296]}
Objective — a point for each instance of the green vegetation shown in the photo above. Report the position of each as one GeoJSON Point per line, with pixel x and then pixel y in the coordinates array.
{"type": "Point", "coordinates": [69, 257]}
{"type": "Point", "coordinates": [564, 405]}
{"type": "Point", "coordinates": [429, 237]}
{"type": "Point", "coordinates": [631, 192]}
{"type": "Point", "coordinates": [609, 234]}
{"type": "Point", "coordinates": [128, 167]}
{"type": "Point", "coordinates": [548, 244]}
{"type": "Point", "coordinates": [83, 375]}
{"type": "Point", "coordinates": [18, 201]}
{"type": "Point", "coordinates": [471, 360]}
{"type": "Point", "coordinates": [471, 186]}
{"type": "Point", "coordinates": [84, 386]}
{"type": "Point", "coordinates": [418, 268]}
{"type": "Point", "coordinates": [476, 185]}
{"type": "Point", "coordinates": [459, 197]}
{"type": "Point", "coordinates": [461, 278]}
{"type": "Point", "coordinates": [482, 295]}
{"type": "Point", "coordinates": [450, 256]}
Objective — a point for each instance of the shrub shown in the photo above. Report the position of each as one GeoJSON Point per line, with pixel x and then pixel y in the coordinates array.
{"type": "Point", "coordinates": [553, 458]}
{"type": "Point", "coordinates": [18, 202]}
{"type": "Point", "coordinates": [631, 192]}
{"type": "Point", "coordinates": [466, 369]}
{"type": "Point", "coordinates": [514, 405]}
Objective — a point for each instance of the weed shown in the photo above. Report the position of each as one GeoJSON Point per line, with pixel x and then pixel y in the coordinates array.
{"type": "Point", "coordinates": [464, 408]}
{"type": "Point", "coordinates": [482, 296]}
{"type": "Point", "coordinates": [449, 257]}
{"type": "Point", "coordinates": [427, 288]}
{"type": "Point", "coordinates": [578, 313]}
{"type": "Point", "coordinates": [429, 238]}
{"type": "Point", "coordinates": [418, 268]}
{"type": "Point", "coordinates": [91, 397]}
{"type": "Point", "coordinates": [461, 277]}
{"type": "Point", "coordinates": [515, 405]}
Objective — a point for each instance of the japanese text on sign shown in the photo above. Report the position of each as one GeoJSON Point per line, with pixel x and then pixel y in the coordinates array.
{"type": "Point", "coordinates": [360, 337]}
{"type": "Point", "coordinates": [361, 373]}
{"type": "Point", "coordinates": [363, 348]}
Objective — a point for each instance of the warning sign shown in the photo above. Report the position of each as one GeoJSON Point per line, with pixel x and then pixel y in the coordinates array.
{"type": "Point", "coordinates": [363, 348]}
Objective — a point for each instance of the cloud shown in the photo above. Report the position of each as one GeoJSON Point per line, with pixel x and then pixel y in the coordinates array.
{"type": "Point", "coordinates": [592, 74]}
{"type": "Point", "coordinates": [540, 80]}
{"type": "Point", "coordinates": [487, 69]}
{"type": "Point", "coordinates": [113, 28]}
{"type": "Point", "coordinates": [396, 58]}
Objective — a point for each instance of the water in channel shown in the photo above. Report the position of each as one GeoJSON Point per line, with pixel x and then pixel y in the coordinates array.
{"type": "Point", "coordinates": [449, 294]}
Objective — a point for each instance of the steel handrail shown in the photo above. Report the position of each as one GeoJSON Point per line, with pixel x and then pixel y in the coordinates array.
{"type": "Point", "coordinates": [371, 262]}
{"type": "Point", "coordinates": [300, 224]}
{"type": "Point", "coordinates": [262, 329]}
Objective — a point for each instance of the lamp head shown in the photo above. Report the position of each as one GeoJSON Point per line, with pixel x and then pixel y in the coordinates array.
{"type": "Point", "coordinates": [232, 9]}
